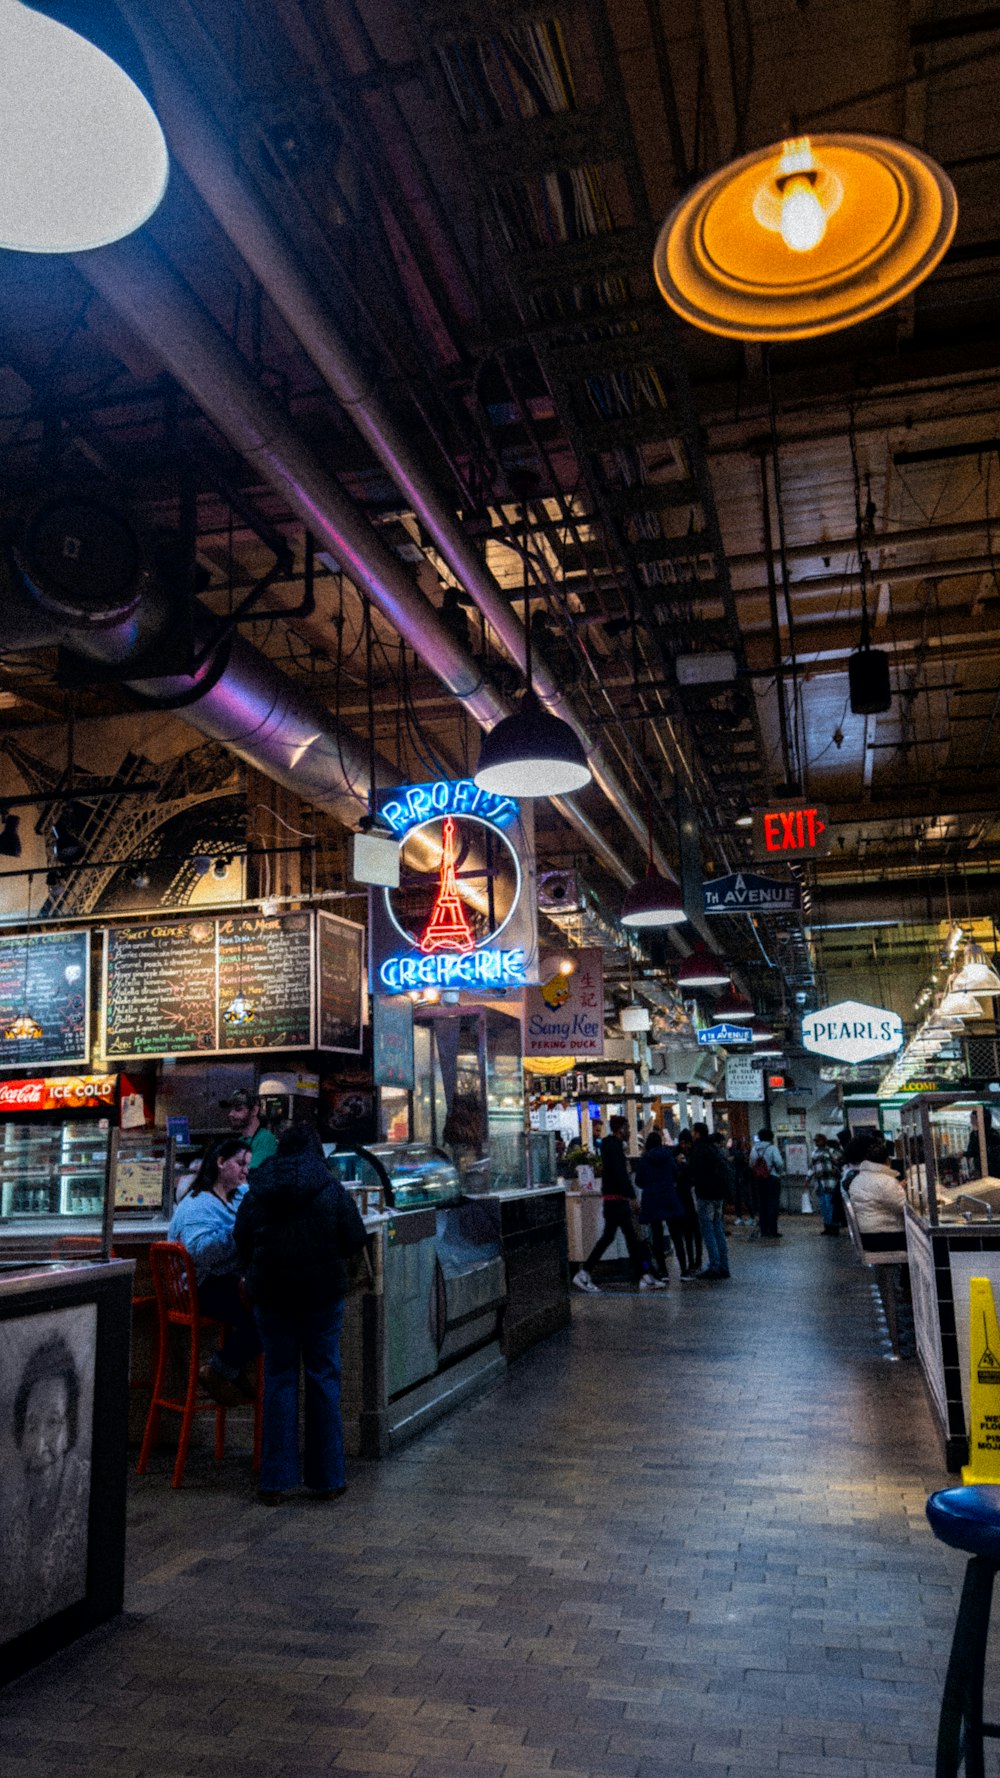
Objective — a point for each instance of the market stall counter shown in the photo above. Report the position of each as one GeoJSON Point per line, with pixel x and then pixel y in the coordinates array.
{"type": "Point", "coordinates": [952, 1235]}
{"type": "Point", "coordinates": [64, 1357]}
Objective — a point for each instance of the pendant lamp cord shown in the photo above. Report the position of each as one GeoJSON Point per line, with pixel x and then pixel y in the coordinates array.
{"type": "Point", "coordinates": [864, 566]}
{"type": "Point", "coordinates": [527, 602]}
{"type": "Point", "coordinates": [370, 680]}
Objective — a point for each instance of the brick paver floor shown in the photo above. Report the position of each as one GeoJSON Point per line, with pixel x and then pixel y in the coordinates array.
{"type": "Point", "coordinates": [685, 1537]}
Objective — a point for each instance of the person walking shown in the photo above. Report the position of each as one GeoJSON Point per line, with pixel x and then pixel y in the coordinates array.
{"type": "Point", "coordinates": [296, 1230]}
{"type": "Point", "coordinates": [824, 1176]}
{"type": "Point", "coordinates": [690, 1254]}
{"type": "Point", "coordinates": [710, 1176]}
{"type": "Point", "coordinates": [204, 1222]}
{"type": "Point", "coordinates": [768, 1170]}
{"type": "Point", "coordinates": [659, 1204]}
{"type": "Point", "coordinates": [618, 1202]}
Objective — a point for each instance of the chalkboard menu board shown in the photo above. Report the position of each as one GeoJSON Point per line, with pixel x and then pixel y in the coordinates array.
{"type": "Point", "coordinates": [159, 989]}
{"type": "Point", "coordinates": [46, 976]}
{"type": "Point", "coordinates": [340, 946]}
{"type": "Point", "coordinates": [208, 986]}
{"type": "Point", "coordinates": [265, 982]}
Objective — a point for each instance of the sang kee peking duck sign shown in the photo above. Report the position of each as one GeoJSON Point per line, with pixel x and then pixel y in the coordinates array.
{"type": "Point", "coordinates": [464, 916]}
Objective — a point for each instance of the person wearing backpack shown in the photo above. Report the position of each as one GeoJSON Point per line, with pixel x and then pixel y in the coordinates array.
{"type": "Point", "coordinates": [768, 1170]}
{"type": "Point", "coordinates": [710, 1176]}
{"type": "Point", "coordinates": [296, 1231]}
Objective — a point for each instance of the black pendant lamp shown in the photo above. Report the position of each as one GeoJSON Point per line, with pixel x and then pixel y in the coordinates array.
{"type": "Point", "coordinates": [531, 752]}
{"type": "Point", "coordinates": [654, 900]}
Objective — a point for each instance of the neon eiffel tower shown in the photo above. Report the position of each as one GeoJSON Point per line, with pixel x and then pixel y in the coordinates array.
{"type": "Point", "coordinates": [447, 928]}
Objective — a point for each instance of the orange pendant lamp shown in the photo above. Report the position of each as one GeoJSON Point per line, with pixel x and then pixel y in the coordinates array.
{"type": "Point", "coordinates": [805, 237]}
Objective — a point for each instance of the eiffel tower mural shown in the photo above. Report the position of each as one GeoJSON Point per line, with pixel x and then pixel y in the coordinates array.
{"type": "Point", "coordinates": [447, 929]}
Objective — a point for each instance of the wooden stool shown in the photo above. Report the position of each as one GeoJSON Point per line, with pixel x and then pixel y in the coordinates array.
{"type": "Point", "coordinates": [176, 1287]}
{"type": "Point", "coordinates": [968, 1519]}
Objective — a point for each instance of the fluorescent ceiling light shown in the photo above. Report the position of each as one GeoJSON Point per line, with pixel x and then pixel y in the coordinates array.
{"type": "Point", "coordinates": [83, 156]}
{"type": "Point", "coordinates": [847, 925]}
{"type": "Point", "coordinates": [706, 669]}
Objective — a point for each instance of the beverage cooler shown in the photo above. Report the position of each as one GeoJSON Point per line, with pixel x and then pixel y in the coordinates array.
{"type": "Point", "coordinates": [54, 1141]}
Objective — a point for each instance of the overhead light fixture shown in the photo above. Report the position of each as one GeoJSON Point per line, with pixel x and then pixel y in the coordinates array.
{"type": "Point", "coordinates": [84, 158]}
{"type": "Point", "coordinates": [10, 838]}
{"type": "Point", "coordinates": [240, 1011]}
{"type": "Point", "coordinates": [706, 669]}
{"type": "Point", "coordinates": [805, 237]}
{"type": "Point", "coordinates": [138, 877]}
{"type": "Point", "coordinates": [977, 975]}
{"type": "Point", "coordinates": [634, 1018]}
{"type": "Point", "coordinates": [702, 970]}
{"type": "Point", "coordinates": [531, 753]}
{"type": "Point", "coordinates": [759, 1033]}
{"type": "Point", "coordinates": [959, 1005]}
{"type": "Point", "coordinates": [220, 869]}
{"type": "Point", "coordinates": [653, 901]}
{"type": "Point", "coordinates": [733, 1007]}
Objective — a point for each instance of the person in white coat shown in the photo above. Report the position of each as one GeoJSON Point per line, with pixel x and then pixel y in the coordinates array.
{"type": "Point", "coordinates": [877, 1198]}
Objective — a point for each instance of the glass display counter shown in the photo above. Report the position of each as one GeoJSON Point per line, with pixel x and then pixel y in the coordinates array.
{"type": "Point", "coordinates": [410, 1175]}
{"type": "Point", "coordinates": [951, 1157]}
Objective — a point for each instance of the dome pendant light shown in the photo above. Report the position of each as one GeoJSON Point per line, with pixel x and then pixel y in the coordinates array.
{"type": "Point", "coordinates": [805, 237]}
{"type": "Point", "coordinates": [653, 901]}
{"type": "Point", "coordinates": [531, 753]}
{"type": "Point", "coordinates": [977, 975]}
{"type": "Point", "coordinates": [734, 1008]}
{"type": "Point", "coordinates": [84, 159]}
{"type": "Point", "coordinates": [701, 970]}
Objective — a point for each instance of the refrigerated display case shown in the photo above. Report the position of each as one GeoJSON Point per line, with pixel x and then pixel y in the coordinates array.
{"type": "Point", "coordinates": [411, 1175]}
{"type": "Point", "coordinates": [50, 1171]}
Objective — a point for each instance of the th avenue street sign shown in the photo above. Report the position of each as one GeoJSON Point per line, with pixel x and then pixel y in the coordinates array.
{"type": "Point", "coordinates": [747, 893]}
{"type": "Point", "coordinates": [725, 1034]}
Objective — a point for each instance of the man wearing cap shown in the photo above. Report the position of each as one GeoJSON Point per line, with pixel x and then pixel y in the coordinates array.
{"type": "Point", "coordinates": [243, 1111]}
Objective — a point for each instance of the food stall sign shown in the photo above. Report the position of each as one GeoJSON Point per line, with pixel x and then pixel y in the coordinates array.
{"type": "Point", "coordinates": [465, 913]}
{"type": "Point", "coordinates": [793, 831]}
{"type": "Point", "coordinates": [70, 1092]}
{"type": "Point", "coordinates": [852, 1032]}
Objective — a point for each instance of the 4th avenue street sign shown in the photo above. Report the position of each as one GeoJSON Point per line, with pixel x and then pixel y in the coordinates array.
{"type": "Point", "coordinates": [747, 893]}
{"type": "Point", "coordinates": [725, 1034]}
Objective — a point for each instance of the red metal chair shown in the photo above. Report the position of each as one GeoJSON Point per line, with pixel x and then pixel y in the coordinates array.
{"type": "Point", "coordinates": [176, 1287]}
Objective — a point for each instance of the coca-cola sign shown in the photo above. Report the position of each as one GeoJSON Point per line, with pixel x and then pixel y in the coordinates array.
{"type": "Point", "coordinates": [70, 1092]}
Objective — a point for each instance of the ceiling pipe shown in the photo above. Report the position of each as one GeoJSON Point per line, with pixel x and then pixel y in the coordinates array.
{"type": "Point", "coordinates": [148, 294]}
{"type": "Point", "coordinates": [208, 160]}
{"type": "Point", "coordinates": [961, 531]}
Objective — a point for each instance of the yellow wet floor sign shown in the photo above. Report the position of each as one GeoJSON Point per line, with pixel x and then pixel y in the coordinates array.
{"type": "Point", "coordinates": [984, 1385]}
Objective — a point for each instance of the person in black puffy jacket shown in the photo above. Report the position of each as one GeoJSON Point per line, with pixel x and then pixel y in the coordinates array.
{"type": "Point", "coordinates": [659, 1203]}
{"type": "Point", "coordinates": [295, 1231]}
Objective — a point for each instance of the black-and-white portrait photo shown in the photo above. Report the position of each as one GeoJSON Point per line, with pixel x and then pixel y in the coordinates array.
{"type": "Point", "coordinates": [46, 1434]}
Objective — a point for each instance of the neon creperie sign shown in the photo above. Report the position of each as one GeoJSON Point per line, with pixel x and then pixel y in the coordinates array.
{"type": "Point", "coordinates": [446, 954]}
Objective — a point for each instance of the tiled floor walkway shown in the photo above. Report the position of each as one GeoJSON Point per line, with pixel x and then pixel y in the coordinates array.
{"type": "Point", "coordinates": [686, 1537]}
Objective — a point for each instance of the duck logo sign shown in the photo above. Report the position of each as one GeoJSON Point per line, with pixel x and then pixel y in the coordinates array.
{"type": "Point", "coordinates": [852, 1032]}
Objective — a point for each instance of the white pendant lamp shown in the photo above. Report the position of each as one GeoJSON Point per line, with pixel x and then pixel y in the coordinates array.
{"type": "Point", "coordinates": [959, 1005]}
{"type": "Point", "coordinates": [734, 1007]}
{"type": "Point", "coordinates": [977, 975]}
{"type": "Point", "coordinates": [83, 158]}
{"type": "Point", "coordinates": [702, 970]}
{"type": "Point", "coordinates": [761, 1033]}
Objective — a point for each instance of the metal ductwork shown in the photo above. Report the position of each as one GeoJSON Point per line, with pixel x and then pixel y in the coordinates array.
{"type": "Point", "coordinates": [209, 163]}
{"type": "Point", "coordinates": [160, 308]}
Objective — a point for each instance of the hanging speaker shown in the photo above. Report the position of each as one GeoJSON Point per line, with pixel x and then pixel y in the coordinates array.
{"type": "Point", "coordinates": [868, 677]}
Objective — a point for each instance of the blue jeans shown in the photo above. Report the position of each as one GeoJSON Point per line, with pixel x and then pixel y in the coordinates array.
{"type": "Point", "coordinates": [825, 1196]}
{"type": "Point", "coordinates": [310, 1337]}
{"type": "Point", "coordinates": [713, 1233]}
{"type": "Point", "coordinates": [219, 1295]}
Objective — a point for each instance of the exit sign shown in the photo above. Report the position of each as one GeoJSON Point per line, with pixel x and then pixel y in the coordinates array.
{"type": "Point", "coordinates": [795, 830]}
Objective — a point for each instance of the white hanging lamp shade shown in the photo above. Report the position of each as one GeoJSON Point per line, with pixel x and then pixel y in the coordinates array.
{"type": "Point", "coordinates": [84, 161]}
{"type": "Point", "coordinates": [805, 237]}
{"type": "Point", "coordinates": [734, 1007]}
{"type": "Point", "coordinates": [760, 1032]}
{"type": "Point", "coordinates": [977, 975]}
{"type": "Point", "coordinates": [959, 1005]}
{"type": "Point", "coordinates": [635, 1017]}
{"type": "Point", "coordinates": [531, 753]}
{"type": "Point", "coordinates": [702, 970]}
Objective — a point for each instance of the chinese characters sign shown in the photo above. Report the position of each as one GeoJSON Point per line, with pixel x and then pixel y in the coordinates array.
{"type": "Point", "coordinates": [564, 1014]}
